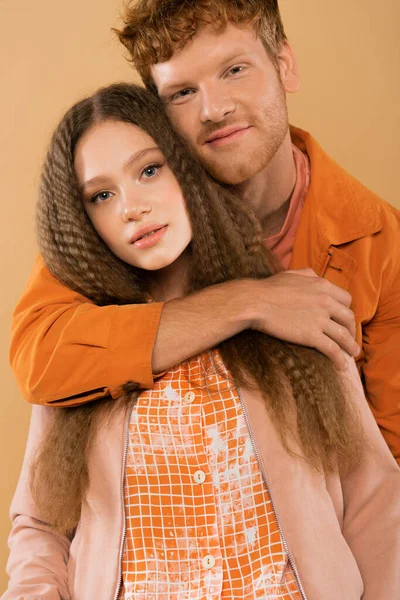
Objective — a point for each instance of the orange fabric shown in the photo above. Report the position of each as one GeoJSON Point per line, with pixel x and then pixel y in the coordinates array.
{"type": "Point", "coordinates": [66, 350]}
{"type": "Point", "coordinates": [282, 243]}
{"type": "Point", "coordinates": [351, 237]}
{"type": "Point", "coordinates": [63, 346]}
{"type": "Point", "coordinates": [199, 518]}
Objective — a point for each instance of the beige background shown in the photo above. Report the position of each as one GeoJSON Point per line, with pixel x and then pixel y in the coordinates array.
{"type": "Point", "coordinates": [53, 52]}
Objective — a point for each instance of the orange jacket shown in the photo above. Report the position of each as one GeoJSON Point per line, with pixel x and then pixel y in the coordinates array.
{"type": "Point", "coordinates": [66, 350]}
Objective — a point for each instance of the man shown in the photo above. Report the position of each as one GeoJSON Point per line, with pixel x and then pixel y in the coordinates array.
{"type": "Point", "coordinates": [223, 69]}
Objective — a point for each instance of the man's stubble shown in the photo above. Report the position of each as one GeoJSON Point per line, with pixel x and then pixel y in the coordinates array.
{"type": "Point", "coordinates": [237, 163]}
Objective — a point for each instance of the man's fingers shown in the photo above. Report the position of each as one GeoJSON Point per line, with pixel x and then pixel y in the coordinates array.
{"type": "Point", "coordinates": [327, 346]}
{"type": "Point", "coordinates": [341, 337]}
{"type": "Point", "coordinates": [324, 287]}
{"type": "Point", "coordinates": [343, 316]}
{"type": "Point", "coordinates": [336, 292]}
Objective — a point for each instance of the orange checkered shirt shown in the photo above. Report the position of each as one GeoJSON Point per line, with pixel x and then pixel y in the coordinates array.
{"type": "Point", "coordinates": [199, 519]}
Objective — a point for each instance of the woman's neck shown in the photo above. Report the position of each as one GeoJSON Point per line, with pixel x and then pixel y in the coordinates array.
{"type": "Point", "coordinates": [170, 282]}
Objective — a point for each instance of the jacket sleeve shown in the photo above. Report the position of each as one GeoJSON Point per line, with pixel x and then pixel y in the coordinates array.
{"type": "Point", "coordinates": [381, 345]}
{"type": "Point", "coordinates": [37, 564]}
{"type": "Point", "coordinates": [371, 494]}
{"type": "Point", "coordinates": [66, 350]}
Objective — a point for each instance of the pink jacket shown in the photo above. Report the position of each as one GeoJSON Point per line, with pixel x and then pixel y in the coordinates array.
{"type": "Point", "coordinates": [342, 532]}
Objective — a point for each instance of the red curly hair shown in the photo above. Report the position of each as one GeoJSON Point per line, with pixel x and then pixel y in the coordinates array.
{"type": "Point", "coordinates": [155, 29]}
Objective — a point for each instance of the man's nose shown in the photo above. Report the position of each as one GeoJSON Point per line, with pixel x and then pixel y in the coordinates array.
{"type": "Point", "coordinates": [216, 106]}
{"type": "Point", "coordinates": [134, 207]}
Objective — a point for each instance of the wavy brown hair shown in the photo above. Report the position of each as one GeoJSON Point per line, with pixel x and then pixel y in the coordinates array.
{"type": "Point", "coordinates": [301, 389]}
{"type": "Point", "coordinates": [155, 29]}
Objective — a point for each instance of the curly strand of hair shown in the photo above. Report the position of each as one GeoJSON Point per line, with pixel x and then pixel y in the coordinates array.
{"type": "Point", "coordinates": [211, 266]}
{"type": "Point", "coordinates": [61, 220]}
{"type": "Point", "coordinates": [66, 447]}
{"type": "Point", "coordinates": [259, 262]}
{"type": "Point", "coordinates": [306, 383]}
{"type": "Point", "coordinates": [321, 409]}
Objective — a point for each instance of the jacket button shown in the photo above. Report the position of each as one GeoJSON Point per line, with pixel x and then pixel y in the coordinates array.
{"type": "Point", "coordinates": [189, 397]}
{"type": "Point", "coordinates": [208, 561]}
{"type": "Point", "coordinates": [199, 477]}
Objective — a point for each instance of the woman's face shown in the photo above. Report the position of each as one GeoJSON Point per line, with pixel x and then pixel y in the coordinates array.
{"type": "Point", "coordinates": [131, 195]}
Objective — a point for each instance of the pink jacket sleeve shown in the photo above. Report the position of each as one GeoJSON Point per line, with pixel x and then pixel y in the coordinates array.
{"type": "Point", "coordinates": [372, 506]}
{"type": "Point", "coordinates": [37, 564]}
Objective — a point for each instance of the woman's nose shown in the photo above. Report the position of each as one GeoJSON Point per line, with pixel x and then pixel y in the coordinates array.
{"type": "Point", "coordinates": [133, 209]}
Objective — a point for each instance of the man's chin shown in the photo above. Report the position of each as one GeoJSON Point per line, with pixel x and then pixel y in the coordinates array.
{"type": "Point", "coordinates": [232, 174]}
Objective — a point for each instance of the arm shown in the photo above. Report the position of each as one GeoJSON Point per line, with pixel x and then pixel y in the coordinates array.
{"type": "Point", "coordinates": [63, 347]}
{"type": "Point", "coordinates": [66, 350]}
{"type": "Point", "coordinates": [371, 494]}
{"type": "Point", "coordinates": [296, 306]}
{"type": "Point", "coordinates": [37, 565]}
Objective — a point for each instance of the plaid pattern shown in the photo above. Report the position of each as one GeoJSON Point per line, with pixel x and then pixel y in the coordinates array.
{"type": "Point", "coordinates": [200, 525]}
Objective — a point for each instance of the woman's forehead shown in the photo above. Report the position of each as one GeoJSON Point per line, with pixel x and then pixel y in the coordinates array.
{"type": "Point", "coordinates": [110, 146]}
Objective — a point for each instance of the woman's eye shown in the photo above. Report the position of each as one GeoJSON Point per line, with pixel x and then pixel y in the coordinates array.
{"type": "Point", "coordinates": [150, 171]}
{"type": "Point", "coordinates": [101, 197]}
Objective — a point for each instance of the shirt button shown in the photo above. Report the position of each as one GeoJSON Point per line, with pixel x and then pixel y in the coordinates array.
{"type": "Point", "coordinates": [189, 397]}
{"type": "Point", "coordinates": [199, 477]}
{"type": "Point", "coordinates": [208, 561]}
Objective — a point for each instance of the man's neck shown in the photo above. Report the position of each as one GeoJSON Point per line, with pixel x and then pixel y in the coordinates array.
{"type": "Point", "coordinates": [269, 191]}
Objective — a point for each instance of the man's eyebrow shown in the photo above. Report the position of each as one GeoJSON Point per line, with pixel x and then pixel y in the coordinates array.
{"type": "Point", "coordinates": [170, 88]}
{"type": "Point", "coordinates": [235, 56]}
{"type": "Point", "coordinates": [135, 157]}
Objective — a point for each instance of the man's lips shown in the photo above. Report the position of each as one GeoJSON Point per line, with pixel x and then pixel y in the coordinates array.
{"type": "Point", "coordinates": [226, 135]}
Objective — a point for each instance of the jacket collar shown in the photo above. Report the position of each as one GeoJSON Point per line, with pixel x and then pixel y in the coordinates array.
{"type": "Point", "coordinates": [344, 209]}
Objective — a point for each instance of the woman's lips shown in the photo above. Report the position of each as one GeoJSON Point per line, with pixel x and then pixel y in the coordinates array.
{"type": "Point", "coordinates": [151, 240]}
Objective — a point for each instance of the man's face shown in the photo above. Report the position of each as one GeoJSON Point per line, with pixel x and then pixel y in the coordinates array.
{"type": "Point", "coordinates": [224, 94]}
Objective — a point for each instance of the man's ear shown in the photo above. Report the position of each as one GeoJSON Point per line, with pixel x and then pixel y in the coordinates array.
{"type": "Point", "coordinates": [288, 68]}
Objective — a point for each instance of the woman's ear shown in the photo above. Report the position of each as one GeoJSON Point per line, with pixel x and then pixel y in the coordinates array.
{"type": "Point", "coordinates": [288, 68]}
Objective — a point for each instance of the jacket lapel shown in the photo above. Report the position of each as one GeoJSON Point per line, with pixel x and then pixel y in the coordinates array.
{"type": "Point", "coordinates": [338, 210]}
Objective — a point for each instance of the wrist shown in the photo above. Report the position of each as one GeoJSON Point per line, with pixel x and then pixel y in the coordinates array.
{"type": "Point", "coordinates": [242, 303]}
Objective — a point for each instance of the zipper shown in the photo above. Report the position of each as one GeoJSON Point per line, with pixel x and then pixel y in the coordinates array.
{"type": "Point", "coordinates": [264, 477]}
{"type": "Point", "coordinates": [121, 550]}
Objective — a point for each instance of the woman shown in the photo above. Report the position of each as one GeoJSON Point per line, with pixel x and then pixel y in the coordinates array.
{"type": "Point", "coordinates": [251, 471]}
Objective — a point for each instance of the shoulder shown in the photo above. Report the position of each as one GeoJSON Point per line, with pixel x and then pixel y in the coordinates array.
{"type": "Point", "coordinates": [345, 209]}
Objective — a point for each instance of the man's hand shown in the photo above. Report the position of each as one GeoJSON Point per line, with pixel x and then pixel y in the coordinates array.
{"type": "Point", "coordinates": [296, 306]}
{"type": "Point", "coordinates": [300, 307]}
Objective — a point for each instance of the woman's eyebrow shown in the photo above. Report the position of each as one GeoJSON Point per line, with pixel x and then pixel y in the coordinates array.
{"type": "Point", "coordinates": [138, 156]}
{"type": "Point", "coordinates": [93, 181]}
{"type": "Point", "coordinates": [135, 157]}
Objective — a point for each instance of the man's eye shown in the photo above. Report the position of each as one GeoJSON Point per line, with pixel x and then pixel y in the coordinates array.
{"type": "Point", "coordinates": [150, 171]}
{"type": "Point", "coordinates": [181, 94]}
{"type": "Point", "coordinates": [101, 197]}
{"type": "Point", "coordinates": [236, 70]}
